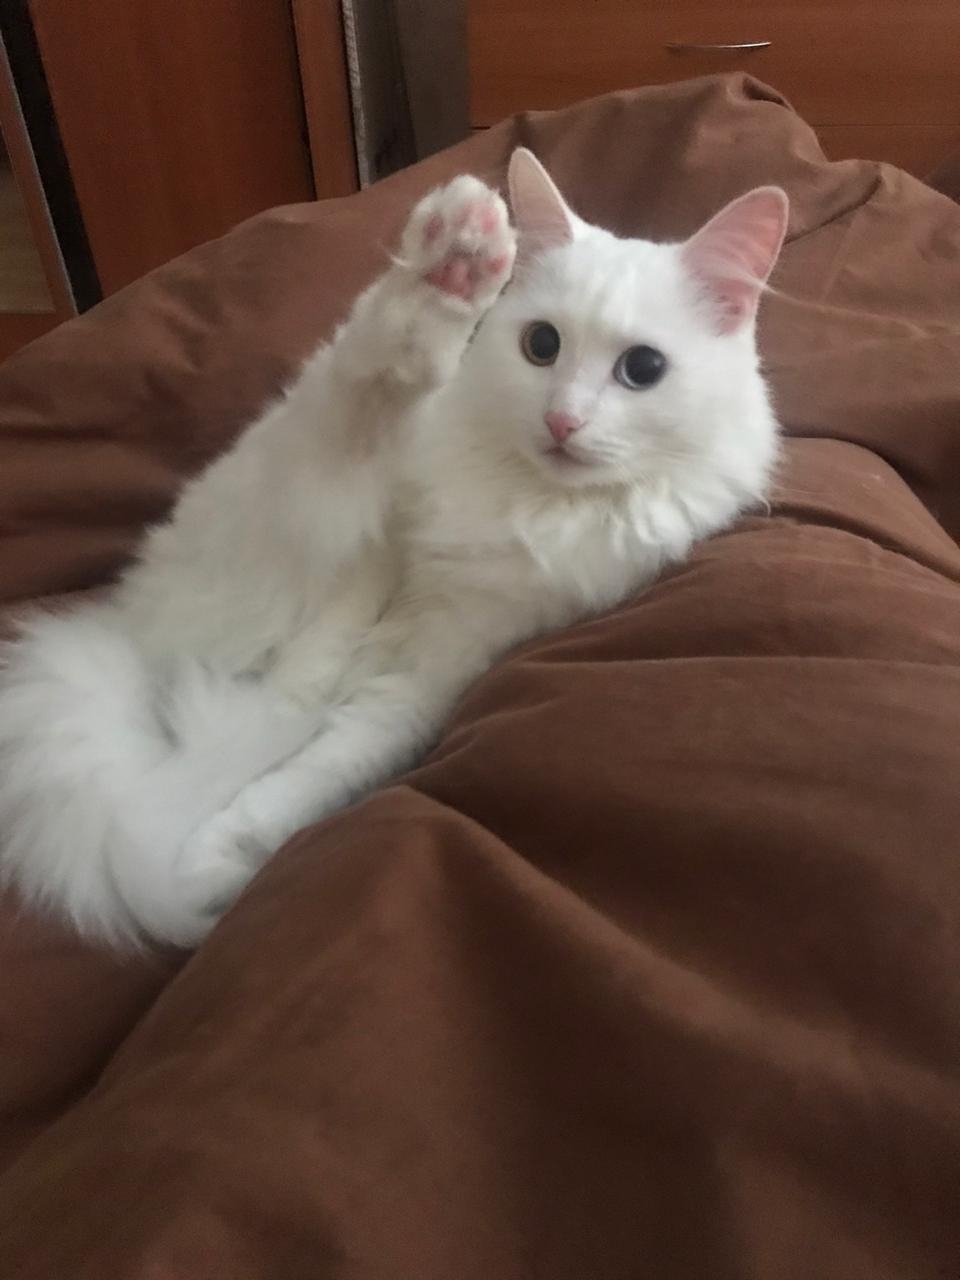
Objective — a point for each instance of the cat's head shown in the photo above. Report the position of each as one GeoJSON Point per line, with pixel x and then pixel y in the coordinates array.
{"type": "Point", "coordinates": [609, 361]}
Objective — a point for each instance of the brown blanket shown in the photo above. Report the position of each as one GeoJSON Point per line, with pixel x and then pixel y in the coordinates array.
{"type": "Point", "coordinates": [653, 968]}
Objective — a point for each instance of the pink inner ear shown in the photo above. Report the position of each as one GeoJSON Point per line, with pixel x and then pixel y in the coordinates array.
{"type": "Point", "coordinates": [539, 211]}
{"type": "Point", "coordinates": [735, 252]}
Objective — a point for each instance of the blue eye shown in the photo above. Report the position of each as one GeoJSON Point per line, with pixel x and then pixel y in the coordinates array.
{"type": "Point", "coordinates": [540, 342]}
{"type": "Point", "coordinates": [640, 367]}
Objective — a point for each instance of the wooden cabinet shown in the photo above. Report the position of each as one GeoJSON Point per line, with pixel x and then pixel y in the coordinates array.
{"type": "Point", "coordinates": [178, 120]}
{"type": "Point", "coordinates": [877, 78]}
{"type": "Point", "coordinates": [35, 290]}
{"type": "Point", "coordinates": [135, 129]}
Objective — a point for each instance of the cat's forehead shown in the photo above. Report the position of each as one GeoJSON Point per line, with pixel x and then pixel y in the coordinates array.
{"type": "Point", "coordinates": [609, 284]}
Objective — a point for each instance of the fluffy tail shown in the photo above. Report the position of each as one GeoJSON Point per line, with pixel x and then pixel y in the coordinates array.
{"type": "Point", "coordinates": [103, 774]}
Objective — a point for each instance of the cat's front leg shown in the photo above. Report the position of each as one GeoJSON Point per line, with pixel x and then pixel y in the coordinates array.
{"type": "Point", "coordinates": [459, 241]}
{"type": "Point", "coordinates": [409, 330]}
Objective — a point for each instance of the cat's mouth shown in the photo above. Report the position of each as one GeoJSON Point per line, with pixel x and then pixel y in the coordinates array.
{"type": "Point", "coordinates": [561, 456]}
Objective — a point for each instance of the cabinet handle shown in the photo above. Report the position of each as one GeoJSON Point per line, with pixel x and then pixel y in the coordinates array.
{"type": "Point", "coordinates": [684, 46]}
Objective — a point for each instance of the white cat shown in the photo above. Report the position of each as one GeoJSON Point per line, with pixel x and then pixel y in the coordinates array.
{"type": "Point", "coordinates": [427, 494]}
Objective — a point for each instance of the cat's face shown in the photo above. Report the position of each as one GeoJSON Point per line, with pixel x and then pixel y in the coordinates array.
{"type": "Point", "coordinates": [611, 361]}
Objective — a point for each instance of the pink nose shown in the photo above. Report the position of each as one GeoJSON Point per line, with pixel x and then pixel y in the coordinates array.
{"type": "Point", "coordinates": [561, 425]}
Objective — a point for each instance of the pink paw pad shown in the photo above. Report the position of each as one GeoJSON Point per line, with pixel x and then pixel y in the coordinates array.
{"type": "Point", "coordinates": [433, 230]}
{"type": "Point", "coordinates": [479, 215]}
{"type": "Point", "coordinates": [463, 242]}
{"type": "Point", "coordinates": [454, 276]}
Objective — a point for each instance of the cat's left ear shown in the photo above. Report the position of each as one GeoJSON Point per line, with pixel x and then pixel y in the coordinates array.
{"type": "Point", "coordinates": [540, 213]}
{"type": "Point", "coordinates": [733, 255]}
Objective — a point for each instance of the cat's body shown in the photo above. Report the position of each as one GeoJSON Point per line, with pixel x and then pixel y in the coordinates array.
{"type": "Point", "coordinates": [323, 593]}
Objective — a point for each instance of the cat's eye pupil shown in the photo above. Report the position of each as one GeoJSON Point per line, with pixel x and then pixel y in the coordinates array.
{"type": "Point", "coordinates": [640, 367]}
{"type": "Point", "coordinates": [540, 342]}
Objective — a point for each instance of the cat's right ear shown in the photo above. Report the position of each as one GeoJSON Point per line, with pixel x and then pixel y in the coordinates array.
{"type": "Point", "coordinates": [732, 256]}
{"type": "Point", "coordinates": [540, 213]}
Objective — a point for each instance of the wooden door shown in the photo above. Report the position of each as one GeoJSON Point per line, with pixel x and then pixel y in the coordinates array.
{"type": "Point", "coordinates": [35, 293]}
{"type": "Point", "coordinates": [179, 118]}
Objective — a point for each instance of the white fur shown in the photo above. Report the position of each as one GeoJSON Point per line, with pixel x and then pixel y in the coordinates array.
{"type": "Point", "coordinates": [299, 629]}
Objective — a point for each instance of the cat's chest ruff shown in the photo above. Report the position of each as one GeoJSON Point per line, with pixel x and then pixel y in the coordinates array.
{"type": "Point", "coordinates": [581, 552]}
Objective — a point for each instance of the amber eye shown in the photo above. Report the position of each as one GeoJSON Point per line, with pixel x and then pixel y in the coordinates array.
{"type": "Point", "coordinates": [540, 342]}
{"type": "Point", "coordinates": [640, 367]}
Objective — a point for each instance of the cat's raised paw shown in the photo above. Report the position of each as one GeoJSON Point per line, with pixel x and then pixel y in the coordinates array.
{"type": "Point", "coordinates": [459, 239]}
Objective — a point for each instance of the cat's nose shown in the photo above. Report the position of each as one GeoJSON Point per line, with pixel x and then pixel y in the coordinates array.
{"type": "Point", "coordinates": [561, 425]}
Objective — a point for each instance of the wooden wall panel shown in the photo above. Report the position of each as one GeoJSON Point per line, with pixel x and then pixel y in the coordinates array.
{"type": "Point", "coordinates": [179, 118]}
{"type": "Point", "coordinates": [326, 96]}
{"type": "Point", "coordinates": [17, 329]}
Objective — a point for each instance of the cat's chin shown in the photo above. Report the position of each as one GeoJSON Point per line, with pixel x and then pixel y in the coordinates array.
{"type": "Point", "coordinates": [568, 468]}
{"type": "Point", "coordinates": [562, 457]}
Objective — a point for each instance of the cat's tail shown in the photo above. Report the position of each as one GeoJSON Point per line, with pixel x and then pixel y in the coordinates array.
{"type": "Point", "coordinates": [104, 772]}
